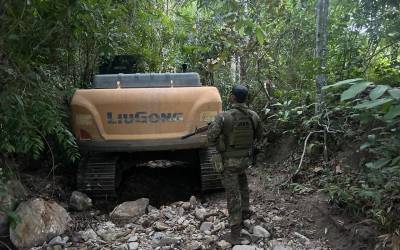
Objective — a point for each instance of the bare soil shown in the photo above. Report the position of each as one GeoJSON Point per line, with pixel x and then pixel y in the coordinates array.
{"type": "Point", "coordinates": [303, 219]}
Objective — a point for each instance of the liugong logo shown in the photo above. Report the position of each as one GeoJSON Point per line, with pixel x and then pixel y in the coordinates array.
{"type": "Point", "coordinates": [143, 117]}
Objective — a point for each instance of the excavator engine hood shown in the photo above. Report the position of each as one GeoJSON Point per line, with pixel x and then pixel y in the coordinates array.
{"type": "Point", "coordinates": [143, 112]}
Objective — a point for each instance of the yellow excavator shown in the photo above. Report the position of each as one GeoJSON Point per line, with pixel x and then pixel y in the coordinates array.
{"type": "Point", "coordinates": [141, 116]}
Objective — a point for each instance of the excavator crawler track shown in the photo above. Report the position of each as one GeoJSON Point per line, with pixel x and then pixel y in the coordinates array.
{"type": "Point", "coordinates": [97, 176]}
{"type": "Point", "coordinates": [210, 179]}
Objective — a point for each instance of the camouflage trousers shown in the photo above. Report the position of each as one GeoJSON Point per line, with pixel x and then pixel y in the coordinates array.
{"type": "Point", "coordinates": [236, 187]}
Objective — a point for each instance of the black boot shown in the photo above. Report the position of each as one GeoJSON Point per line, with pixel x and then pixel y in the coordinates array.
{"type": "Point", "coordinates": [234, 236]}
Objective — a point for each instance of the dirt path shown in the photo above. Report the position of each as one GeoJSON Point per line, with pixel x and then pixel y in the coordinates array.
{"type": "Point", "coordinates": [289, 218]}
{"type": "Point", "coordinates": [305, 219]}
{"type": "Point", "coordinates": [295, 220]}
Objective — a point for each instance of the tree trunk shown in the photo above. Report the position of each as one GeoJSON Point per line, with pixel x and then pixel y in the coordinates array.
{"type": "Point", "coordinates": [321, 52]}
{"type": "Point", "coordinates": [321, 49]}
{"type": "Point", "coordinates": [233, 69]}
{"type": "Point", "coordinates": [238, 69]}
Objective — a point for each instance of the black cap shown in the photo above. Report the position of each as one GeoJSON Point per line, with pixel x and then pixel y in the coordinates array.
{"type": "Point", "coordinates": [185, 67]}
{"type": "Point", "coordinates": [240, 92]}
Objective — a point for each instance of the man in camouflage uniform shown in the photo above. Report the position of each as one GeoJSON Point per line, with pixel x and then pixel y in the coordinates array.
{"type": "Point", "coordinates": [234, 132]}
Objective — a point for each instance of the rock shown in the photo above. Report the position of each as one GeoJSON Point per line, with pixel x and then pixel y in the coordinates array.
{"type": "Point", "coordinates": [245, 247]}
{"type": "Point", "coordinates": [168, 213]}
{"type": "Point", "coordinates": [303, 238]}
{"type": "Point", "coordinates": [88, 235]}
{"type": "Point", "coordinates": [181, 211]}
{"type": "Point", "coordinates": [14, 192]}
{"type": "Point", "coordinates": [245, 241]}
{"type": "Point", "coordinates": [121, 247]}
{"type": "Point", "coordinates": [193, 201]}
{"type": "Point", "coordinates": [277, 218]}
{"type": "Point", "coordinates": [154, 214]}
{"type": "Point", "coordinates": [55, 241]}
{"type": "Point", "coordinates": [261, 232]}
{"type": "Point", "coordinates": [186, 205]}
{"type": "Point", "coordinates": [210, 218]}
{"type": "Point", "coordinates": [197, 236]}
{"type": "Point", "coordinates": [280, 247]}
{"type": "Point", "coordinates": [244, 232]}
{"type": "Point", "coordinates": [57, 247]}
{"type": "Point", "coordinates": [150, 208]}
{"type": "Point", "coordinates": [247, 224]}
{"type": "Point", "coordinates": [200, 213]}
{"type": "Point", "coordinates": [107, 235]}
{"type": "Point", "coordinates": [40, 222]}
{"type": "Point", "coordinates": [224, 245]}
{"type": "Point", "coordinates": [145, 220]}
{"type": "Point", "coordinates": [76, 237]}
{"type": "Point", "coordinates": [194, 245]}
{"type": "Point", "coordinates": [206, 226]}
{"type": "Point", "coordinates": [59, 241]}
{"type": "Point", "coordinates": [108, 232]}
{"type": "Point", "coordinates": [160, 226]}
{"type": "Point", "coordinates": [130, 210]}
{"type": "Point", "coordinates": [209, 239]}
{"type": "Point", "coordinates": [217, 227]}
{"type": "Point", "coordinates": [80, 201]}
{"type": "Point", "coordinates": [133, 238]}
{"type": "Point", "coordinates": [181, 220]}
{"type": "Point", "coordinates": [136, 227]}
{"type": "Point", "coordinates": [161, 239]}
{"type": "Point", "coordinates": [133, 245]}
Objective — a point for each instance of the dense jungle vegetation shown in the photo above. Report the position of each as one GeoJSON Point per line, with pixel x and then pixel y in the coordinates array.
{"type": "Point", "coordinates": [48, 48]}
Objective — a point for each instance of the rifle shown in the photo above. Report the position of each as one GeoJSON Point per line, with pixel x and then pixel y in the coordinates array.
{"type": "Point", "coordinates": [196, 131]}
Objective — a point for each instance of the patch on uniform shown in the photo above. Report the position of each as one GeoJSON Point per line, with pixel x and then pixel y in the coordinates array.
{"type": "Point", "coordinates": [243, 124]}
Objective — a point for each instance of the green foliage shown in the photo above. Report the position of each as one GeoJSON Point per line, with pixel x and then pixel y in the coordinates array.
{"type": "Point", "coordinates": [342, 83]}
{"type": "Point", "coordinates": [374, 189]}
{"type": "Point", "coordinates": [366, 110]}
{"type": "Point", "coordinates": [275, 43]}
{"type": "Point", "coordinates": [6, 206]}
{"type": "Point", "coordinates": [300, 189]}
{"type": "Point", "coordinates": [354, 90]}
{"type": "Point", "coordinates": [378, 91]}
{"type": "Point", "coordinates": [31, 119]}
{"type": "Point", "coordinates": [287, 115]}
{"type": "Point", "coordinates": [373, 103]}
{"type": "Point", "coordinates": [48, 48]}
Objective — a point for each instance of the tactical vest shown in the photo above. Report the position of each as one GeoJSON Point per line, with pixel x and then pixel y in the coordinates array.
{"type": "Point", "coordinates": [239, 132]}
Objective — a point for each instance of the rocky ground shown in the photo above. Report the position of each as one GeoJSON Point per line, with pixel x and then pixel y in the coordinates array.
{"type": "Point", "coordinates": [282, 219]}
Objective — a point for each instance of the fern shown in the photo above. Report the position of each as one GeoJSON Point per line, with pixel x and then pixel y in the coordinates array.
{"type": "Point", "coordinates": [30, 118]}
